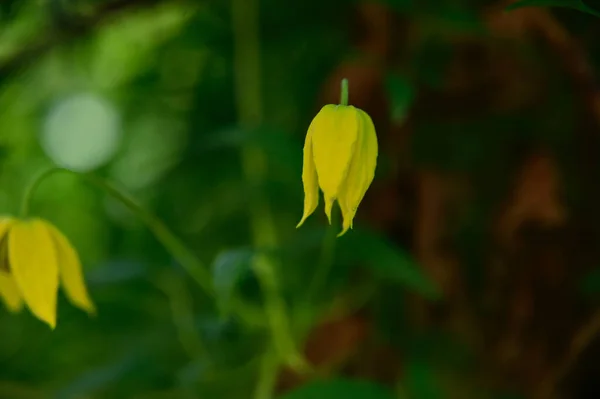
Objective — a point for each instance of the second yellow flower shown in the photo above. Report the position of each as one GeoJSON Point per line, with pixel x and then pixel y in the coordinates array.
{"type": "Point", "coordinates": [34, 257]}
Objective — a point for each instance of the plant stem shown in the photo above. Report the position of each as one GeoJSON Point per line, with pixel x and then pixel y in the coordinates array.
{"type": "Point", "coordinates": [267, 378]}
{"type": "Point", "coordinates": [328, 249]}
{"type": "Point", "coordinates": [188, 260]}
{"type": "Point", "coordinates": [247, 70]}
{"type": "Point", "coordinates": [30, 190]}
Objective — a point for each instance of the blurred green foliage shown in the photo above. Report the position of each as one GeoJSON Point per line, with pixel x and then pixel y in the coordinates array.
{"type": "Point", "coordinates": [166, 74]}
{"type": "Point", "coordinates": [146, 98]}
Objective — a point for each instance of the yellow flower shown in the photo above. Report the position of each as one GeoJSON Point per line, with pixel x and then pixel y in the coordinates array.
{"type": "Point", "coordinates": [340, 156]}
{"type": "Point", "coordinates": [34, 256]}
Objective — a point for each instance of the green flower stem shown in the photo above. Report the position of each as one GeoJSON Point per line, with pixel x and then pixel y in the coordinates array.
{"type": "Point", "coordinates": [267, 378]}
{"type": "Point", "coordinates": [30, 190]}
{"type": "Point", "coordinates": [328, 249]}
{"type": "Point", "coordinates": [247, 71]}
{"type": "Point", "coordinates": [344, 92]}
{"type": "Point", "coordinates": [188, 260]}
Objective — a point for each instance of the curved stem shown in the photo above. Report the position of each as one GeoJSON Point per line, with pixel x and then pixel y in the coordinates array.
{"type": "Point", "coordinates": [267, 379]}
{"type": "Point", "coordinates": [186, 258]}
{"type": "Point", "coordinates": [247, 71]}
{"type": "Point", "coordinates": [30, 190]}
{"type": "Point", "coordinates": [179, 251]}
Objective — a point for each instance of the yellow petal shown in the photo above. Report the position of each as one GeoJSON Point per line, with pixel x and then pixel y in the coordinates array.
{"type": "Point", "coordinates": [334, 136]}
{"type": "Point", "coordinates": [347, 215]}
{"type": "Point", "coordinates": [71, 275]}
{"type": "Point", "coordinates": [8, 289]}
{"type": "Point", "coordinates": [34, 266]}
{"type": "Point", "coordinates": [361, 171]}
{"type": "Point", "coordinates": [309, 179]}
{"type": "Point", "coordinates": [328, 207]}
{"type": "Point", "coordinates": [5, 224]}
{"type": "Point", "coordinates": [10, 293]}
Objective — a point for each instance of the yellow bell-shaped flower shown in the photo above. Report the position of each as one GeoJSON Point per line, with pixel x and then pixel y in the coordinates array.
{"type": "Point", "coordinates": [34, 257]}
{"type": "Point", "coordinates": [340, 156]}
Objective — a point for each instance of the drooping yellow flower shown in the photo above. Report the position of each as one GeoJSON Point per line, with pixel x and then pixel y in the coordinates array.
{"type": "Point", "coordinates": [340, 156]}
{"type": "Point", "coordinates": [34, 257]}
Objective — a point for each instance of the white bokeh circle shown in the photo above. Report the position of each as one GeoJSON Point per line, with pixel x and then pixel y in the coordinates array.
{"type": "Point", "coordinates": [81, 132]}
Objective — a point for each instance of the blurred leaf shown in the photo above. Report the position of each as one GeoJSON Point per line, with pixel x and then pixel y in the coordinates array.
{"type": "Point", "coordinates": [587, 6]}
{"type": "Point", "coordinates": [386, 260]}
{"type": "Point", "coordinates": [229, 268]}
{"type": "Point", "coordinates": [116, 271]}
{"type": "Point", "coordinates": [340, 388]}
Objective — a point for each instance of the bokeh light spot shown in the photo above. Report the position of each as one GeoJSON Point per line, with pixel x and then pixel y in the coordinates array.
{"type": "Point", "coordinates": [82, 132]}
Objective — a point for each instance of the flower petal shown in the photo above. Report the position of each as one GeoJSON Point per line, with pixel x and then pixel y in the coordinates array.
{"type": "Point", "coordinates": [71, 275]}
{"type": "Point", "coordinates": [10, 293]}
{"type": "Point", "coordinates": [361, 171]}
{"type": "Point", "coordinates": [34, 266]}
{"type": "Point", "coordinates": [309, 179]}
{"type": "Point", "coordinates": [5, 224]}
{"type": "Point", "coordinates": [328, 208]}
{"type": "Point", "coordinates": [334, 136]}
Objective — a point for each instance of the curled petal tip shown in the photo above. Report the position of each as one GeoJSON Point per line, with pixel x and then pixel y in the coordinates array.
{"type": "Point", "coordinates": [328, 208]}
{"type": "Point", "coordinates": [344, 231]}
{"type": "Point", "coordinates": [347, 225]}
{"type": "Point", "coordinates": [89, 308]}
{"type": "Point", "coordinates": [304, 217]}
{"type": "Point", "coordinates": [51, 322]}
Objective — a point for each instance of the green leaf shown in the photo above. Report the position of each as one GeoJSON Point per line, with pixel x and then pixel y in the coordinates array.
{"type": "Point", "coordinates": [386, 260]}
{"type": "Point", "coordinates": [340, 389]}
{"type": "Point", "coordinates": [579, 5]}
{"type": "Point", "coordinates": [229, 268]}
